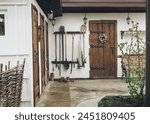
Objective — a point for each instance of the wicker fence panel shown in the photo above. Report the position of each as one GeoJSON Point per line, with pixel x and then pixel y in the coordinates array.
{"type": "Point", "coordinates": [11, 86]}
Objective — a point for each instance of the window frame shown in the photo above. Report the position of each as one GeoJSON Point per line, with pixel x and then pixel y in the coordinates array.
{"type": "Point", "coordinates": [4, 16]}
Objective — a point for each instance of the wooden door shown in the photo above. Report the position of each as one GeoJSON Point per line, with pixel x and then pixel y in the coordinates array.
{"type": "Point", "coordinates": [47, 53]}
{"type": "Point", "coordinates": [103, 53]}
{"type": "Point", "coordinates": [35, 54]}
{"type": "Point", "coordinates": [42, 51]}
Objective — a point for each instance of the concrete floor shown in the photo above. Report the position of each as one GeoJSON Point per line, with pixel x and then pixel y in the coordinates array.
{"type": "Point", "coordinates": [81, 93]}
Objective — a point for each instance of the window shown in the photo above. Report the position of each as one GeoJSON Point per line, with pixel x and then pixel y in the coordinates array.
{"type": "Point", "coordinates": [2, 24]}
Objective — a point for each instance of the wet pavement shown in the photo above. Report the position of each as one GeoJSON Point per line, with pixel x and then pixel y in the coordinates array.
{"type": "Point", "coordinates": [55, 95]}
{"type": "Point", "coordinates": [81, 93]}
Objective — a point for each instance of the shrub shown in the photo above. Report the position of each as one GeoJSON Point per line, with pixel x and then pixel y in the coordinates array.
{"type": "Point", "coordinates": [135, 76]}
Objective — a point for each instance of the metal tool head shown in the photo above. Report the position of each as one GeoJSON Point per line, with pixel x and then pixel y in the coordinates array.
{"type": "Point", "coordinates": [66, 65]}
{"type": "Point", "coordinates": [62, 29]}
{"type": "Point", "coordinates": [83, 28]}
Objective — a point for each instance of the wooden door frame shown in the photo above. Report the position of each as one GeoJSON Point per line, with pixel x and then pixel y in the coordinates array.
{"type": "Point", "coordinates": [42, 42]}
{"type": "Point", "coordinates": [47, 51]}
{"type": "Point", "coordinates": [34, 85]}
{"type": "Point", "coordinates": [116, 42]}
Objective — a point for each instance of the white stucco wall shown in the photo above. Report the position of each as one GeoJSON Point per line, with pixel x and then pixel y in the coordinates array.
{"type": "Point", "coordinates": [16, 44]}
{"type": "Point", "coordinates": [73, 21]}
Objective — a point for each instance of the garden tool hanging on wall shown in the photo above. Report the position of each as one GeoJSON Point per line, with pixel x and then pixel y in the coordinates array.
{"type": "Point", "coordinates": [61, 50]}
{"type": "Point", "coordinates": [66, 63]}
{"type": "Point", "coordinates": [83, 59]}
{"type": "Point", "coordinates": [64, 48]}
{"type": "Point", "coordinates": [56, 49]}
{"type": "Point", "coordinates": [80, 52]}
{"type": "Point", "coordinates": [61, 46]}
{"type": "Point", "coordinates": [73, 35]}
{"type": "Point", "coordinates": [62, 31]}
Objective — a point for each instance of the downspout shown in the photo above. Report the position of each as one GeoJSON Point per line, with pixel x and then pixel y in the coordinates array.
{"type": "Point", "coordinates": [147, 53]}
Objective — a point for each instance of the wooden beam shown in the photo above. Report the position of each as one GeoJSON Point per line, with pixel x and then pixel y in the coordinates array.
{"type": "Point", "coordinates": [104, 9]}
{"type": "Point", "coordinates": [104, 3]}
{"type": "Point", "coordinates": [148, 53]}
{"type": "Point", "coordinates": [101, 1]}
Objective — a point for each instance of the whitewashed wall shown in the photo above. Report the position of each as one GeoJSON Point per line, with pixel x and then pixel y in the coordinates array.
{"type": "Point", "coordinates": [72, 22]}
{"type": "Point", "coordinates": [17, 42]}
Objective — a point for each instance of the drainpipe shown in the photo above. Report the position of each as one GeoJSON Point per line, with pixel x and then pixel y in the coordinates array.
{"type": "Point", "coordinates": [147, 53]}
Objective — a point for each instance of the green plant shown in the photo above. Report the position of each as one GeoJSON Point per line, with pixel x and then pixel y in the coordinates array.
{"type": "Point", "coordinates": [135, 74]}
{"type": "Point", "coordinates": [121, 101]}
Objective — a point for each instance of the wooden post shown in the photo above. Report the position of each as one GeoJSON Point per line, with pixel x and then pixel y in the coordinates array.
{"type": "Point", "coordinates": [147, 53]}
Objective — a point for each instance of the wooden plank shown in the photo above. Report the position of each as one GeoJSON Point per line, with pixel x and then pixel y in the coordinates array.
{"type": "Point", "coordinates": [90, 39]}
{"type": "Point", "coordinates": [90, 55]}
{"type": "Point", "coordinates": [112, 35]}
{"type": "Point", "coordinates": [91, 28]}
{"type": "Point", "coordinates": [42, 51]}
{"type": "Point", "coordinates": [107, 60]}
{"type": "Point", "coordinates": [96, 41]}
{"type": "Point", "coordinates": [100, 51]}
{"type": "Point", "coordinates": [96, 60]}
{"type": "Point", "coordinates": [102, 22]}
{"type": "Point", "coordinates": [101, 62]}
{"type": "Point", "coordinates": [36, 99]}
{"type": "Point", "coordinates": [93, 62]}
{"type": "Point", "coordinates": [112, 49]}
{"type": "Point", "coordinates": [102, 1]}
{"type": "Point", "coordinates": [47, 52]}
{"type": "Point", "coordinates": [93, 39]}
{"type": "Point", "coordinates": [100, 27]}
{"type": "Point", "coordinates": [115, 51]}
{"type": "Point", "coordinates": [36, 90]}
{"type": "Point", "coordinates": [35, 54]}
{"type": "Point", "coordinates": [97, 63]}
{"type": "Point", "coordinates": [93, 36]}
{"type": "Point", "coordinates": [94, 28]}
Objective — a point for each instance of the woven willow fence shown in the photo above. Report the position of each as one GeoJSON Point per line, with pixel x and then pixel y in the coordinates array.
{"type": "Point", "coordinates": [11, 85]}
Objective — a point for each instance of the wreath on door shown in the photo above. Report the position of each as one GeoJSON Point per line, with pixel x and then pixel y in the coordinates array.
{"type": "Point", "coordinates": [103, 38]}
